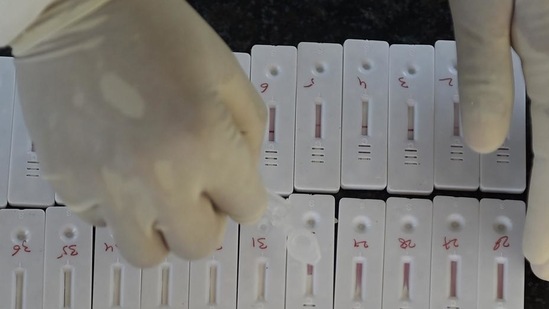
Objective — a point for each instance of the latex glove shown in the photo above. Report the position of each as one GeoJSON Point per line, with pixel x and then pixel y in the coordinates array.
{"type": "Point", "coordinates": [485, 30]}
{"type": "Point", "coordinates": [143, 120]}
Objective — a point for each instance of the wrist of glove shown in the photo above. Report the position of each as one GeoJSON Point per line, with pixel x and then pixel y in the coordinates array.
{"type": "Point", "coordinates": [143, 121]}
{"type": "Point", "coordinates": [485, 32]}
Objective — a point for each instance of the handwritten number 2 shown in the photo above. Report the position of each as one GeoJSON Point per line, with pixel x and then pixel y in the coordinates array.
{"type": "Point", "coordinates": [403, 83]}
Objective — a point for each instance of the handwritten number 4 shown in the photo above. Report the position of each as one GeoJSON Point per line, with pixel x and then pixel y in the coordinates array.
{"type": "Point", "coordinates": [362, 83]}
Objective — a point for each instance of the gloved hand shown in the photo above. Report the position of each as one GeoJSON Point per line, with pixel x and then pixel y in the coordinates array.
{"type": "Point", "coordinates": [143, 119]}
{"type": "Point", "coordinates": [485, 30]}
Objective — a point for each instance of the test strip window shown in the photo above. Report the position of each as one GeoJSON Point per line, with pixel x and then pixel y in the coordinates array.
{"type": "Point", "coordinates": [411, 121]}
{"type": "Point", "coordinates": [272, 123]}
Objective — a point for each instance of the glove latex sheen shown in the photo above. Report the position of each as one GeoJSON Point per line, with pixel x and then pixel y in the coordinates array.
{"type": "Point", "coordinates": [15, 16]}
{"type": "Point", "coordinates": [485, 30]}
{"type": "Point", "coordinates": [144, 121]}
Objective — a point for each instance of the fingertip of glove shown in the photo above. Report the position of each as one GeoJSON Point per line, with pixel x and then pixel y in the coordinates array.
{"type": "Point", "coordinates": [531, 248]}
{"type": "Point", "coordinates": [485, 137]}
{"type": "Point", "coordinates": [483, 144]}
{"type": "Point", "coordinates": [196, 239]}
{"type": "Point", "coordinates": [200, 249]}
{"type": "Point", "coordinates": [140, 251]}
{"type": "Point", "coordinates": [255, 213]}
{"type": "Point", "coordinates": [485, 115]}
{"type": "Point", "coordinates": [91, 216]}
{"type": "Point", "coordinates": [541, 270]}
{"type": "Point", "coordinates": [150, 259]}
{"type": "Point", "coordinates": [252, 218]}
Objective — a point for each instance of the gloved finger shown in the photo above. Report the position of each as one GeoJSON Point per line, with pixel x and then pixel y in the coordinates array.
{"type": "Point", "coordinates": [536, 229]}
{"type": "Point", "coordinates": [82, 200]}
{"type": "Point", "coordinates": [192, 228]}
{"type": "Point", "coordinates": [541, 271]}
{"type": "Point", "coordinates": [138, 241]}
{"type": "Point", "coordinates": [232, 86]}
{"type": "Point", "coordinates": [482, 31]}
{"type": "Point", "coordinates": [530, 35]}
{"type": "Point", "coordinates": [248, 111]}
{"type": "Point", "coordinates": [237, 189]}
{"type": "Point", "coordinates": [90, 213]}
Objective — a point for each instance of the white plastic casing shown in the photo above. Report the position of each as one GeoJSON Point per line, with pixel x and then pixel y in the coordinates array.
{"type": "Point", "coordinates": [116, 283]}
{"type": "Point", "coordinates": [360, 245]}
{"type": "Point", "coordinates": [411, 110]}
{"type": "Point", "coordinates": [317, 214]}
{"type": "Point", "coordinates": [456, 165]}
{"type": "Point", "coordinates": [219, 293]}
{"type": "Point", "coordinates": [364, 126]}
{"type": "Point", "coordinates": [318, 117]}
{"type": "Point", "coordinates": [274, 76]}
{"type": "Point", "coordinates": [7, 94]}
{"type": "Point", "coordinates": [407, 242]}
{"type": "Point", "coordinates": [504, 170]}
{"type": "Point", "coordinates": [59, 200]}
{"type": "Point", "coordinates": [67, 260]}
{"type": "Point", "coordinates": [454, 260]}
{"type": "Point", "coordinates": [22, 258]}
{"type": "Point", "coordinates": [262, 266]}
{"type": "Point", "coordinates": [177, 285]}
{"type": "Point", "coordinates": [26, 185]}
{"type": "Point", "coordinates": [501, 229]}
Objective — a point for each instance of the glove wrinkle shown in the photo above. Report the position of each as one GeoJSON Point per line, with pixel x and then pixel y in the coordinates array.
{"type": "Point", "coordinates": [58, 16]}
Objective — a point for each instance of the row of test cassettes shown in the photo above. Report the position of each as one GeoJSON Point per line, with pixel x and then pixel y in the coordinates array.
{"type": "Point", "coordinates": [403, 253]}
{"type": "Point", "coordinates": [362, 116]}
{"type": "Point", "coordinates": [369, 116]}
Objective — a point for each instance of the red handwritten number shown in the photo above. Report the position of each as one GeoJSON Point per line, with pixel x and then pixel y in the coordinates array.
{"type": "Point", "coordinates": [503, 241]}
{"type": "Point", "coordinates": [403, 83]}
{"type": "Point", "coordinates": [449, 80]}
{"type": "Point", "coordinates": [109, 247]}
{"type": "Point", "coordinates": [17, 248]}
{"type": "Point", "coordinates": [362, 83]}
{"type": "Point", "coordinates": [311, 84]}
{"type": "Point", "coordinates": [69, 251]}
{"type": "Point", "coordinates": [450, 243]}
{"type": "Point", "coordinates": [264, 87]}
{"type": "Point", "coordinates": [260, 243]}
{"type": "Point", "coordinates": [363, 243]}
{"type": "Point", "coordinates": [406, 243]}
